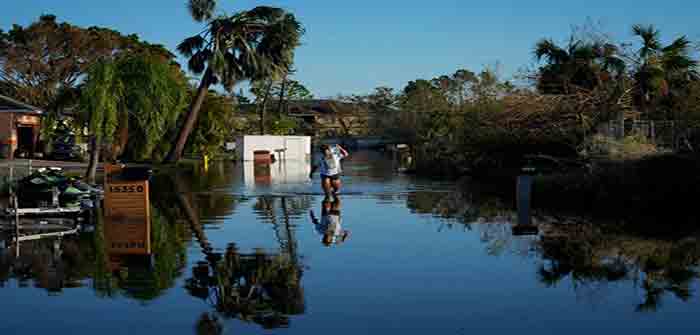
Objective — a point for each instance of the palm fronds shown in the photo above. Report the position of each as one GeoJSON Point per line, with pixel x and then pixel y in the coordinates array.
{"type": "Point", "coordinates": [201, 10]}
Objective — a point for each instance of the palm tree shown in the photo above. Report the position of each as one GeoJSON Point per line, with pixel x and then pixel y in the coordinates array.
{"type": "Point", "coordinates": [578, 65]}
{"type": "Point", "coordinates": [247, 45]}
{"type": "Point", "coordinates": [659, 68]}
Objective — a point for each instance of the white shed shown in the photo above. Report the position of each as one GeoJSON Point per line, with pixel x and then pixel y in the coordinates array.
{"type": "Point", "coordinates": [295, 148]}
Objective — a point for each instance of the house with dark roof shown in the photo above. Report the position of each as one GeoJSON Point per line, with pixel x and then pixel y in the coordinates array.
{"type": "Point", "coordinates": [19, 128]}
{"type": "Point", "coordinates": [323, 117]}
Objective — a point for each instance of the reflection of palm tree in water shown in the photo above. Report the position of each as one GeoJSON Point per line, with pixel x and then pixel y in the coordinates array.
{"type": "Point", "coordinates": [285, 230]}
{"type": "Point", "coordinates": [255, 287]}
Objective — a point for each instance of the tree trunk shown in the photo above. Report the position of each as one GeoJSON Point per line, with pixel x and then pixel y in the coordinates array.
{"type": "Point", "coordinates": [644, 105]}
{"type": "Point", "coordinates": [120, 147]}
{"type": "Point", "coordinates": [280, 105]}
{"type": "Point", "coordinates": [263, 108]}
{"type": "Point", "coordinates": [95, 143]}
{"type": "Point", "coordinates": [191, 119]}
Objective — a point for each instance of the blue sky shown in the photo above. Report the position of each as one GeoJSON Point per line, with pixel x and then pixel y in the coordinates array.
{"type": "Point", "coordinates": [354, 46]}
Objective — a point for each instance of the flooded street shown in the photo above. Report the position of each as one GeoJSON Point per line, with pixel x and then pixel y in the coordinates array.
{"type": "Point", "coordinates": [243, 251]}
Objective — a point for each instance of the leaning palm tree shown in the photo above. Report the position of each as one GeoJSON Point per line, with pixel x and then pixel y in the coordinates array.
{"type": "Point", "coordinates": [247, 45]}
{"type": "Point", "coordinates": [658, 67]}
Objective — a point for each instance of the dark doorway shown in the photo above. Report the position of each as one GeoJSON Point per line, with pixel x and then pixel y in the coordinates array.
{"type": "Point", "coordinates": [25, 141]}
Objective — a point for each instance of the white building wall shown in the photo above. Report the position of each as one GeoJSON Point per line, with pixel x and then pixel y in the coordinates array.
{"type": "Point", "coordinates": [298, 148]}
{"type": "Point", "coordinates": [282, 174]}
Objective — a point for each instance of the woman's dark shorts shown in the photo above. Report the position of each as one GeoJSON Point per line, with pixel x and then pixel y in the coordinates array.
{"type": "Point", "coordinates": [332, 178]}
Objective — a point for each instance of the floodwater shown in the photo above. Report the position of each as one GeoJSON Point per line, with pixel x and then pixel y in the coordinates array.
{"type": "Point", "coordinates": [237, 250]}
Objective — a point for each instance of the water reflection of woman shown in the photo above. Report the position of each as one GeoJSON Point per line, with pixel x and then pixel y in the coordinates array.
{"type": "Point", "coordinates": [329, 227]}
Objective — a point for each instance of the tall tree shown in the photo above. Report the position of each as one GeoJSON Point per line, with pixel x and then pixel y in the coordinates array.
{"type": "Point", "coordinates": [262, 90]}
{"type": "Point", "coordinates": [100, 104]}
{"type": "Point", "coordinates": [581, 64]}
{"type": "Point", "coordinates": [659, 69]}
{"type": "Point", "coordinates": [281, 92]}
{"type": "Point", "coordinates": [425, 108]}
{"type": "Point", "coordinates": [294, 91]}
{"type": "Point", "coordinates": [214, 126]}
{"type": "Point", "coordinates": [155, 94]}
{"type": "Point", "coordinates": [252, 44]}
{"type": "Point", "coordinates": [40, 61]}
{"type": "Point", "coordinates": [139, 94]}
{"type": "Point", "coordinates": [382, 103]}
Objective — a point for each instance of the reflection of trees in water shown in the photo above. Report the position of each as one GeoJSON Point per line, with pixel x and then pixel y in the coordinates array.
{"type": "Point", "coordinates": [459, 207]}
{"type": "Point", "coordinates": [73, 261]}
{"type": "Point", "coordinates": [168, 189]}
{"type": "Point", "coordinates": [279, 212]}
{"type": "Point", "coordinates": [258, 287]}
{"type": "Point", "coordinates": [142, 277]}
{"type": "Point", "coordinates": [221, 175]}
{"type": "Point", "coordinates": [488, 216]}
{"type": "Point", "coordinates": [272, 207]}
{"type": "Point", "coordinates": [590, 256]}
{"type": "Point", "coordinates": [50, 264]}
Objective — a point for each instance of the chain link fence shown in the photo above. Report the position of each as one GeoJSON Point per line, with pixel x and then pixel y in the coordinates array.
{"type": "Point", "coordinates": [664, 134]}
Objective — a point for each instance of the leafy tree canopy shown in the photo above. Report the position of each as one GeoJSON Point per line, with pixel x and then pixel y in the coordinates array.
{"type": "Point", "coordinates": [215, 124]}
{"type": "Point", "coordinates": [40, 61]}
{"type": "Point", "coordinates": [580, 64]}
{"type": "Point", "coordinates": [145, 93]}
{"type": "Point", "coordinates": [662, 72]}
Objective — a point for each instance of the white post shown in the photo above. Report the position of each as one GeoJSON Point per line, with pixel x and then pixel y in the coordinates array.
{"type": "Point", "coordinates": [16, 206]}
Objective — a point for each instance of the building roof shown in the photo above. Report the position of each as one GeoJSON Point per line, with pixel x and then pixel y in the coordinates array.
{"type": "Point", "coordinates": [9, 105]}
{"type": "Point", "coordinates": [313, 107]}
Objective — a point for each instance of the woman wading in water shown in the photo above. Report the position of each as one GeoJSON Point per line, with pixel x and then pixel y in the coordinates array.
{"type": "Point", "coordinates": [329, 165]}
